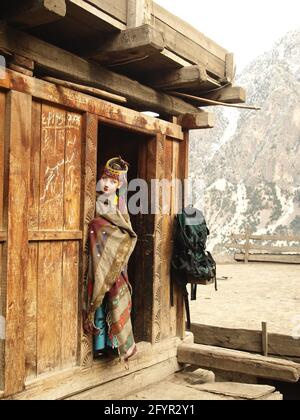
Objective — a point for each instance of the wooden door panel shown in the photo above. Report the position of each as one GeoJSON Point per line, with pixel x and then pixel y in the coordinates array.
{"type": "Point", "coordinates": [51, 294]}
{"type": "Point", "coordinates": [49, 307]}
{"type": "Point", "coordinates": [53, 136]}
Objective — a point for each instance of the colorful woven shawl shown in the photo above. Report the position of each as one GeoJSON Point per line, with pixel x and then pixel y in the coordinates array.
{"type": "Point", "coordinates": [111, 243]}
{"type": "Point", "coordinates": [118, 307]}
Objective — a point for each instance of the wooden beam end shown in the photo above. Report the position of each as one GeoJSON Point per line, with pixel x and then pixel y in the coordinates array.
{"type": "Point", "coordinates": [200, 120]}
{"type": "Point", "coordinates": [58, 7]}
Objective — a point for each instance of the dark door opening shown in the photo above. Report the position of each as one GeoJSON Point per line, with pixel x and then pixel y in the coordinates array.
{"type": "Point", "coordinates": [113, 142]}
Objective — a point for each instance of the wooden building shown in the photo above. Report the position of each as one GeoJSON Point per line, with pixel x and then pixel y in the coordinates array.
{"type": "Point", "coordinates": [79, 76]}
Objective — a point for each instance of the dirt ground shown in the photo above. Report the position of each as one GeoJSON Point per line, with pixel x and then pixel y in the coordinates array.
{"type": "Point", "coordinates": [250, 294]}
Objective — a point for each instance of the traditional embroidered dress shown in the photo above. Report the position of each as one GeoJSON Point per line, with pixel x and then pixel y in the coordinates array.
{"type": "Point", "coordinates": [107, 289]}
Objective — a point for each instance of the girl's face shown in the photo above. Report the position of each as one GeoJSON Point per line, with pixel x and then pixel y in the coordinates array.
{"type": "Point", "coordinates": [108, 185]}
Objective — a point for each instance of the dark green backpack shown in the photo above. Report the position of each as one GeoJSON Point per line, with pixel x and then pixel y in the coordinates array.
{"type": "Point", "coordinates": [191, 263]}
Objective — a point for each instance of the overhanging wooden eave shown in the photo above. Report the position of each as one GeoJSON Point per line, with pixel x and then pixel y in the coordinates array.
{"type": "Point", "coordinates": [57, 62]}
{"type": "Point", "coordinates": [186, 78]}
{"type": "Point", "coordinates": [88, 20]}
{"type": "Point", "coordinates": [127, 45]}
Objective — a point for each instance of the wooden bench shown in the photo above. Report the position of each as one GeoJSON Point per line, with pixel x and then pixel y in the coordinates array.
{"type": "Point", "coordinates": [265, 248]}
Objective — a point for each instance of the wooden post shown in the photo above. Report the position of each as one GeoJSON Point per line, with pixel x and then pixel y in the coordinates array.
{"type": "Point", "coordinates": [139, 12]}
{"type": "Point", "coordinates": [88, 211]}
{"type": "Point", "coordinates": [18, 132]}
{"type": "Point", "coordinates": [265, 339]}
{"type": "Point", "coordinates": [247, 245]}
{"type": "Point", "coordinates": [230, 68]}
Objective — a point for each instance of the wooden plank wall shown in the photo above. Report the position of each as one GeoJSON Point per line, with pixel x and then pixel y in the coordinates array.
{"type": "Point", "coordinates": [51, 294]}
{"type": "Point", "coordinates": [3, 227]}
{"type": "Point", "coordinates": [46, 157]}
{"type": "Point", "coordinates": [172, 317]}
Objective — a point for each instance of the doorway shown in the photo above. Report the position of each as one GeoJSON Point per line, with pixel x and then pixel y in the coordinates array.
{"type": "Point", "coordinates": [132, 146]}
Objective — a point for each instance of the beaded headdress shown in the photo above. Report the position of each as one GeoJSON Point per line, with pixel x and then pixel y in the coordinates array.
{"type": "Point", "coordinates": [116, 168]}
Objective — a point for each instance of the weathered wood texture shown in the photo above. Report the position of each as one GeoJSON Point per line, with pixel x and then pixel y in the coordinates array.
{"type": "Point", "coordinates": [283, 259]}
{"type": "Point", "coordinates": [201, 120]}
{"type": "Point", "coordinates": [265, 339]}
{"type": "Point", "coordinates": [126, 46]}
{"type": "Point", "coordinates": [189, 31]}
{"type": "Point", "coordinates": [107, 111]}
{"type": "Point", "coordinates": [31, 13]}
{"type": "Point", "coordinates": [229, 95]}
{"type": "Point", "coordinates": [54, 236]}
{"type": "Point", "coordinates": [75, 380]}
{"type": "Point", "coordinates": [142, 312]}
{"type": "Point", "coordinates": [152, 252]}
{"type": "Point", "coordinates": [289, 238]}
{"type": "Point", "coordinates": [184, 40]}
{"type": "Point", "coordinates": [84, 20]}
{"type": "Point", "coordinates": [88, 90]}
{"type": "Point", "coordinates": [60, 184]}
{"type": "Point", "coordinates": [230, 68]}
{"type": "Point", "coordinates": [18, 126]}
{"type": "Point", "coordinates": [139, 12]}
{"type": "Point", "coordinates": [58, 62]}
{"type": "Point", "coordinates": [270, 252]}
{"type": "Point", "coordinates": [51, 295]}
{"type": "Point", "coordinates": [189, 77]}
{"type": "Point", "coordinates": [245, 340]}
{"type": "Point", "coordinates": [88, 210]}
{"type": "Point", "coordinates": [175, 171]}
{"type": "Point", "coordinates": [94, 16]}
{"type": "Point", "coordinates": [3, 229]}
{"type": "Point", "coordinates": [155, 317]}
{"type": "Point", "coordinates": [127, 385]}
{"type": "Point", "coordinates": [237, 361]}
{"type": "Point", "coordinates": [116, 8]}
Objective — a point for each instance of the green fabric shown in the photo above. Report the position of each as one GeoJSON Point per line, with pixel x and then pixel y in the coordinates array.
{"type": "Point", "coordinates": [189, 257]}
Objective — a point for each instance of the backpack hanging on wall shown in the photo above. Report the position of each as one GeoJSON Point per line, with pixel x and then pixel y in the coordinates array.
{"type": "Point", "coordinates": [191, 263]}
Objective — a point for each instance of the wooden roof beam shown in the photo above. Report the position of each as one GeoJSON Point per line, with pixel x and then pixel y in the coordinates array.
{"type": "Point", "coordinates": [62, 64]}
{"type": "Point", "coordinates": [139, 12]}
{"type": "Point", "coordinates": [31, 13]}
{"type": "Point", "coordinates": [127, 45]}
{"type": "Point", "coordinates": [196, 121]}
{"type": "Point", "coordinates": [228, 95]}
{"type": "Point", "coordinates": [185, 78]}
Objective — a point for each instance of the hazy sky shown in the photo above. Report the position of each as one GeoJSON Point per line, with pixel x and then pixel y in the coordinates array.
{"type": "Point", "coordinates": [244, 27]}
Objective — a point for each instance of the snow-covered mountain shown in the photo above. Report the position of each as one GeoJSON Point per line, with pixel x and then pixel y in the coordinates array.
{"type": "Point", "coordinates": [250, 162]}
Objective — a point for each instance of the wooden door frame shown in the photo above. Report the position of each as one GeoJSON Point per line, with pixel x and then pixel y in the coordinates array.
{"type": "Point", "coordinates": [149, 293]}
{"type": "Point", "coordinates": [17, 136]}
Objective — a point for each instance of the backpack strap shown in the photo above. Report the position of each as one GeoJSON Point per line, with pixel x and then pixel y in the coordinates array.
{"type": "Point", "coordinates": [172, 289]}
{"type": "Point", "coordinates": [193, 291]}
{"type": "Point", "coordinates": [187, 308]}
